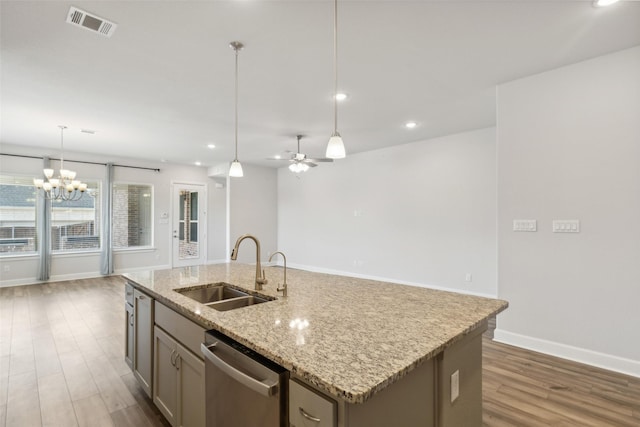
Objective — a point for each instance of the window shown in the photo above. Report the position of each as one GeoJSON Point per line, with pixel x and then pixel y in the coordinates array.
{"type": "Point", "coordinates": [17, 215]}
{"type": "Point", "coordinates": [132, 222]}
{"type": "Point", "coordinates": [75, 225]}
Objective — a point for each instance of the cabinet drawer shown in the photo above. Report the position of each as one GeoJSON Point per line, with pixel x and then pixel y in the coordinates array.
{"type": "Point", "coordinates": [308, 408]}
{"type": "Point", "coordinates": [128, 293]}
{"type": "Point", "coordinates": [184, 330]}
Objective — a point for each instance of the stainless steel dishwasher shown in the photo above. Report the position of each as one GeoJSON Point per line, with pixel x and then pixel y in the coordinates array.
{"type": "Point", "coordinates": [242, 388]}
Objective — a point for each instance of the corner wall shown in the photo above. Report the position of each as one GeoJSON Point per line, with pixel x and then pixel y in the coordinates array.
{"type": "Point", "coordinates": [420, 213]}
{"type": "Point", "coordinates": [18, 270]}
{"type": "Point", "coordinates": [253, 209]}
{"type": "Point", "coordinates": [569, 148]}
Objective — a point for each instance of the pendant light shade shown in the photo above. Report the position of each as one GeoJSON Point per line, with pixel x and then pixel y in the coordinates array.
{"type": "Point", "coordinates": [335, 147]}
{"type": "Point", "coordinates": [235, 170]}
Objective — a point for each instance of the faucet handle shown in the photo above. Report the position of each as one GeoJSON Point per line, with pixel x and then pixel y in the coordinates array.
{"type": "Point", "coordinates": [262, 280]}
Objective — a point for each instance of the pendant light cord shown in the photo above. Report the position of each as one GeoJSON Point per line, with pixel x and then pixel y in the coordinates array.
{"type": "Point", "coordinates": [62, 128]}
{"type": "Point", "coordinates": [236, 48]}
{"type": "Point", "coordinates": [335, 66]}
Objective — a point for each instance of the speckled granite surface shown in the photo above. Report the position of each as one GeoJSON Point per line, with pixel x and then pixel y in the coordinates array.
{"type": "Point", "coordinates": [349, 337]}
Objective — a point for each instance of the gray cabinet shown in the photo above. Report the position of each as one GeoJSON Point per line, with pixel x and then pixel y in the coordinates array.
{"type": "Point", "coordinates": [128, 325]}
{"type": "Point", "coordinates": [143, 340]}
{"type": "Point", "coordinates": [128, 332]}
{"type": "Point", "coordinates": [178, 382]}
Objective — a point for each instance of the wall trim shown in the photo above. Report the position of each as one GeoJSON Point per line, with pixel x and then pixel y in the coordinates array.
{"type": "Point", "coordinates": [135, 269]}
{"type": "Point", "coordinates": [25, 281]}
{"type": "Point", "coordinates": [386, 279]}
{"type": "Point", "coordinates": [217, 261]}
{"type": "Point", "coordinates": [576, 354]}
{"type": "Point", "coordinates": [19, 282]}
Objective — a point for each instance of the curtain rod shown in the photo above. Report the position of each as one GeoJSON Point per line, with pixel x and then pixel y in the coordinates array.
{"type": "Point", "coordinates": [80, 161]}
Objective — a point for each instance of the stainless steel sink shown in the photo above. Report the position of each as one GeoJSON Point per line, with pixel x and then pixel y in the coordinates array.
{"type": "Point", "coordinates": [222, 297]}
{"type": "Point", "coordinates": [212, 293]}
{"type": "Point", "coordinates": [234, 303]}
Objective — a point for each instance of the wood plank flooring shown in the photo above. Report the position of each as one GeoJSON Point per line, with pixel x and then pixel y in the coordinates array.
{"type": "Point", "coordinates": [62, 364]}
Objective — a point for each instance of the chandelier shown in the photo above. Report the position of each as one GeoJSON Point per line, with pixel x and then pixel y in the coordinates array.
{"type": "Point", "coordinates": [64, 186]}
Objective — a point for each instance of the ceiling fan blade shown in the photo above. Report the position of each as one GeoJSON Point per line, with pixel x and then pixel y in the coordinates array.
{"type": "Point", "coordinates": [308, 163]}
{"type": "Point", "coordinates": [320, 160]}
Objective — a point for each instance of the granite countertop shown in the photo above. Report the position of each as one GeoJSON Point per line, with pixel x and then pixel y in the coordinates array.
{"type": "Point", "coordinates": [348, 337]}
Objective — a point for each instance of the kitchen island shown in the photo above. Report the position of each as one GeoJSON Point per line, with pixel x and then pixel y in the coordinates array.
{"type": "Point", "coordinates": [349, 338]}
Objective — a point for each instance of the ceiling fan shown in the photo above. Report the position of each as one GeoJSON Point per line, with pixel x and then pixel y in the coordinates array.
{"type": "Point", "coordinates": [300, 162]}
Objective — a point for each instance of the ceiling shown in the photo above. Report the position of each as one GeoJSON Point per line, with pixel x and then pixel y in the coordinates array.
{"type": "Point", "coordinates": [161, 88]}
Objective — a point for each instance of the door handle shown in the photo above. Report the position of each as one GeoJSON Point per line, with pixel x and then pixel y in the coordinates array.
{"type": "Point", "coordinates": [308, 416]}
{"type": "Point", "coordinates": [261, 387]}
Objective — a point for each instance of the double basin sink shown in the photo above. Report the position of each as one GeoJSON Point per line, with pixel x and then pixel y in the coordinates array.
{"type": "Point", "coordinates": [222, 297]}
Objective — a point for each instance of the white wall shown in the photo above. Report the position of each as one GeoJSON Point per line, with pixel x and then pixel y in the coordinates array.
{"type": "Point", "coordinates": [420, 213]}
{"type": "Point", "coordinates": [253, 210]}
{"type": "Point", "coordinates": [569, 148]}
{"type": "Point", "coordinates": [68, 266]}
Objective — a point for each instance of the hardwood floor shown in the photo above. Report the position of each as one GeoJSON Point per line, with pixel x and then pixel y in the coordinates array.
{"type": "Point", "coordinates": [62, 364]}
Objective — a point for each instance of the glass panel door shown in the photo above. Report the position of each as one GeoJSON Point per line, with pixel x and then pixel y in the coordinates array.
{"type": "Point", "coordinates": [189, 232]}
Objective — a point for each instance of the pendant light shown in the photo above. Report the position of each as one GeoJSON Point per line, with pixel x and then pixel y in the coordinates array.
{"type": "Point", "coordinates": [335, 147]}
{"type": "Point", "coordinates": [63, 187]}
{"type": "Point", "coordinates": [236, 168]}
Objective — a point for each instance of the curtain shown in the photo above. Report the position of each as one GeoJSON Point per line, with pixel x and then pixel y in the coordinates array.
{"type": "Point", "coordinates": [106, 253]}
{"type": "Point", "coordinates": [43, 231]}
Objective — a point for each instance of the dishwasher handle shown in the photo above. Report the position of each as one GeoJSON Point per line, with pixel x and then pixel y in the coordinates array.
{"type": "Point", "coordinates": [258, 386]}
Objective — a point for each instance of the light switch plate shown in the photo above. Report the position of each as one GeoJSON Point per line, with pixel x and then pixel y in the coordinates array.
{"type": "Point", "coordinates": [566, 226]}
{"type": "Point", "coordinates": [525, 225]}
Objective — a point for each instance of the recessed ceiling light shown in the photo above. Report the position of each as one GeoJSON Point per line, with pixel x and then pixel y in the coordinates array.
{"type": "Point", "coordinates": [277, 156]}
{"type": "Point", "coordinates": [341, 96]}
{"type": "Point", "coordinates": [602, 3]}
{"type": "Point", "coordinates": [198, 163]}
{"type": "Point", "coordinates": [163, 160]}
{"type": "Point", "coordinates": [211, 146]}
{"type": "Point", "coordinates": [410, 125]}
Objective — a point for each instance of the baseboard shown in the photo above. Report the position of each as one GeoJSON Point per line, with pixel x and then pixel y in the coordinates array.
{"type": "Point", "coordinates": [19, 282]}
{"type": "Point", "coordinates": [147, 268]}
{"type": "Point", "coordinates": [217, 261]}
{"type": "Point", "coordinates": [59, 278]}
{"type": "Point", "coordinates": [386, 279]}
{"type": "Point", "coordinates": [581, 355]}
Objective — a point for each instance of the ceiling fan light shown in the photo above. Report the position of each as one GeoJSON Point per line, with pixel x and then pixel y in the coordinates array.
{"type": "Point", "coordinates": [335, 147]}
{"type": "Point", "coordinates": [603, 3]}
{"type": "Point", "coordinates": [236, 169]}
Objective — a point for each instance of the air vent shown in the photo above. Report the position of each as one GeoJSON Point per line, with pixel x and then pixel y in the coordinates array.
{"type": "Point", "coordinates": [90, 22]}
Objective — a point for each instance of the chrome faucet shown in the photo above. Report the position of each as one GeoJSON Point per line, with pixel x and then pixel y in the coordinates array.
{"type": "Point", "coordinates": [284, 285]}
{"type": "Point", "coordinates": [260, 279]}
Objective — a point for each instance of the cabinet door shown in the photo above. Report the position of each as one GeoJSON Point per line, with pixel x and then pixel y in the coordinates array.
{"type": "Point", "coordinates": [191, 401]}
{"type": "Point", "coordinates": [128, 334]}
{"type": "Point", "coordinates": [310, 409]}
{"type": "Point", "coordinates": [165, 376]}
{"type": "Point", "coordinates": [143, 340]}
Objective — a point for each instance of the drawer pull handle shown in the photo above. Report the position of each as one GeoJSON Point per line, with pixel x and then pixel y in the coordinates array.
{"type": "Point", "coordinates": [307, 416]}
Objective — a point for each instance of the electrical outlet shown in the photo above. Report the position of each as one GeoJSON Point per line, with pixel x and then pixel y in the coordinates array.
{"type": "Point", "coordinates": [455, 385]}
{"type": "Point", "coordinates": [468, 277]}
